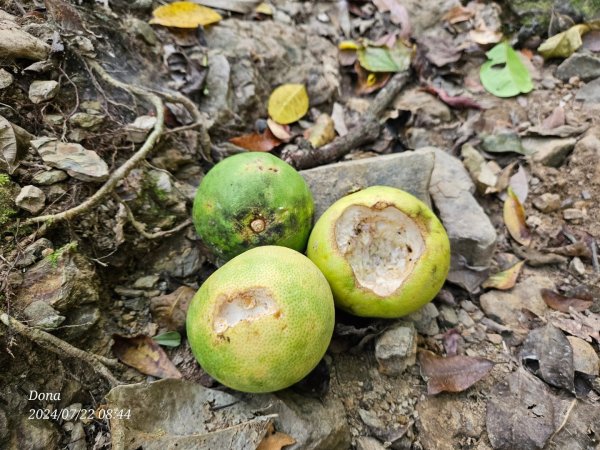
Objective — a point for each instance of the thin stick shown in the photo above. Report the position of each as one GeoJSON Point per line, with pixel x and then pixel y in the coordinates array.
{"type": "Point", "coordinates": [61, 348]}
{"type": "Point", "coordinates": [367, 131]}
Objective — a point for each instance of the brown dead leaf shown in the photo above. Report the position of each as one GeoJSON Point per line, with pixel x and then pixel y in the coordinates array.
{"type": "Point", "coordinates": [275, 440]}
{"type": "Point", "coordinates": [504, 280]}
{"type": "Point", "coordinates": [452, 374]}
{"type": "Point", "coordinates": [255, 142]}
{"type": "Point", "coordinates": [556, 119]}
{"type": "Point", "coordinates": [514, 219]}
{"type": "Point", "coordinates": [561, 303]}
{"type": "Point", "coordinates": [169, 311]}
{"type": "Point", "coordinates": [458, 14]}
{"type": "Point", "coordinates": [368, 82]}
{"type": "Point", "coordinates": [458, 101]}
{"type": "Point", "coordinates": [583, 325]}
{"type": "Point", "coordinates": [323, 132]}
{"type": "Point", "coordinates": [145, 355]}
{"type": "Point", "coordinates": [398, 14]}
{"type": "Point", "coordinates": [485, 36]}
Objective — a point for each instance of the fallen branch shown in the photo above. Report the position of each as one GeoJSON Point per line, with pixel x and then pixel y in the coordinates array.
{"type": "Point", "coordinates": [367, 131]}
{"type": "Point", "coordinates": [123, 170]}
{"type": "Point", "coordinates": [62, 348]}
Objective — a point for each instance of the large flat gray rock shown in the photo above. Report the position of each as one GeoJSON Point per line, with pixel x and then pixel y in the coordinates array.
{"type": "Point", "coordinates": [408, 171]}
{"type": "Point", "coordinates": [472, 235]}
{"type": "Point", "coordinates": [176, 413]}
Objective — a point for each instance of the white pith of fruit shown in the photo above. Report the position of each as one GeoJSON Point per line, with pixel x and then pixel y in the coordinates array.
{"type": "Point", "coordinates": [381, 245]}
{"type": "Point", "coordinates": [249, 305]}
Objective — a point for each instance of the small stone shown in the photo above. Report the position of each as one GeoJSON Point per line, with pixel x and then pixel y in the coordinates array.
{"type": "Point", "coordinates": [371, 420]}
{"type": "Point", "coordinates": [31, 199]}
{"type": "Point", "coordinates": [141, 29]}
{"type": "Point", "coordinates": [576, 266]}
{"type": "Point", "coordinates": [56, 191]}
{"type": "Point", "coordinates": [42, 315]}
{"type": "Point", "coordinates": [49, 177]}
{"type": "Point", "coordinates": [585, 359]}
{"type": "Point", "coordinates": [424, 320]}
{"type": "Point", "coordinates": [85, 165]}
{"type": "Point", "coordinates": [448, 316]}
{"type": "Point", "coordinates": [494, 338]}
{"type": "Point", "coordinates": [573, 214]}
{"type": "Point", "coordinates": [368, 443]}
{"type": "Point", "coordinates": [6, 79]}
{"type": "Point", "coordinates": [586, 195]}
{"type": "Point", "coordinates": [549, 152]}
{"type": "Point", "coordinates": [147, 282]}
{"type": "Point", "coordinates": [547, 202]}
{"type": "Point", "coordinates": [77, 441]}
{"type": "Point", "coordinates": [586, 66]}
{"type": "Point", "coordinates": [140, 128]}
{"type": "Point", "coordinates": [34, 252]}
{"type": "Point", "coordinates": [40, 91]}
{"type": "Point", "coordinates": [465, 319]}
{"type": "Point", "coordinates": [396, 349]}
{"type": "Point", "coordinates": [85, 120]}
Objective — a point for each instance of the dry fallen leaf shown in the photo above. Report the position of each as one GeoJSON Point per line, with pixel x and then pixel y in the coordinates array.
{"type": "Point", "coordinates": [563, 45]}
{"type": "Point", "coordinates": [556, 119]}
{"type": "Point", "coordinates": [485, 36]}
{"type": "Point", "coordinates": [514, 219]}
{"type": "Point", "coordinates": [561, 303]}
{"type": "Point", "coordinates": [398, 14]}
{"type": "Point", "coordinates": [8, 144]}
{"type": "Point", "coordinates": [184, 15]}
{"type": "Point", "coordinates": [368, 82]}
{"type": "Point", "coordinates": [288, 103]}
{"type": "Point", "coordinates": [169, 310]}
{"type": "Point", "coordinates": [323, 132]}
{"type": "Point", "coordinates": [145, 355]}
{"type": "Point", "coordinates": [452, 374]}
{"type": "Point", "coordinates": [255, 142]}
{"type": "Point", "coordinates": [504, 280]}
{"type": "Point", "coordinates": [275, 440]}
{"type": "Point", "coordinates": [458, 14]}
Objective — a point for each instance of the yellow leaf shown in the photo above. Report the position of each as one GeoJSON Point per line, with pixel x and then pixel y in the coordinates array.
{"type": "Point", "coordinates": [288, 103]}
{"type": "Point", "coordinates": [514, 219]}
{"type": "Point", "coordinates": [504, 280]}
{"type": "Point", "coordinates": [323, 132]}
{"type": "Point", "coordinates": [264, 8]}
{"type": "Point", "coordinates": [563, 45]}
{"type": "Point", "coordinates": [184, 15]}
{"type": "Point", "coordinates": [348, 45]}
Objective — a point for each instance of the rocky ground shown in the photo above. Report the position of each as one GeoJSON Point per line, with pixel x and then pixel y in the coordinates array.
{"type": "Point", "coordinates": [107, 126]}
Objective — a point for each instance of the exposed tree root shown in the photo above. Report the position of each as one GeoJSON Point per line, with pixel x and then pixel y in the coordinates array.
{"type": "Point", "coordinates": [62, 348]}
{"type": "Point", "coordinates": [367, 131]}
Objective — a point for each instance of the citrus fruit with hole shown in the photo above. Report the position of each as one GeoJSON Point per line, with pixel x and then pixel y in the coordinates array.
{"type": "Point", "coordinates": [383, 251]}
{"type": "Point", "coordinates": [252, 199]}
{"type": "Point", "coordinates": [262, 321]}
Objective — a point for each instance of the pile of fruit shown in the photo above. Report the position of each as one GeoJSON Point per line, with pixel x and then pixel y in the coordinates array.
{"type": "Point", "coordinates": [264, 319]}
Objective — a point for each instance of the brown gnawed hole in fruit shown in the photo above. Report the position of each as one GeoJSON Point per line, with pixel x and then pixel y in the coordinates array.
{"type": "Point", "coordinates": [381, 245]}
{"type": "Point", "coordinates": [246, 306]}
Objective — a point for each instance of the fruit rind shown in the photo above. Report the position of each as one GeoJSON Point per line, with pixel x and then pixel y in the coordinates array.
{"type": "Point", "coordinates": [419, 287]}
{"type": "Point", "coordinates": [252, 199]}
{"type": "Point", "coordinates": [280, 348]}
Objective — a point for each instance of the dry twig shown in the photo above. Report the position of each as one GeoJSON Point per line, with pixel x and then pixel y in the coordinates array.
{"type": "Point", "coordinates": [62, 348]}
{"type": "Point", "coordinates": [366, 131]}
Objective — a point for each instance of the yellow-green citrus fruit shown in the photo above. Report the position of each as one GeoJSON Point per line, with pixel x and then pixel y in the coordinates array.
{"type": "Point", "coordinates": [262, 321]}
{"type": "Point", "coordinates": [383, 251]}
{"type": "Point", "coordinates": [252, 199]}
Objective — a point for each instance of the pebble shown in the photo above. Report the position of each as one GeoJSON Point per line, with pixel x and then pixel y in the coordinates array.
{"type": "Point", "coordinates": [576, 266]}
{"type": "Point", "coordinates": [465, 319]}
{"type": "Point", "coordinates": [49, 177]}
{"type": "Point", "coordinates": [31, 198]}
{"type": "Point", "coordinates": [573, 214]}
{"type": "Point", "coordinates": [424, 320]}
{"type": "Point", "coordinates": [147, 282]}
{"type": "Point", "coordinates": [396, 349]}
{"type": "Point", "coordinates": [40, 91]}
{"type": "Point", "coordinates": [494, 338]}
{"type": "Point", "coordinates": [448, 316]}
{"type": "Point", "coordinates": [547, 202]}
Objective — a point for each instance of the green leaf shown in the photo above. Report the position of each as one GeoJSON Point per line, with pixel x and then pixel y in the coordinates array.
{"type": "Point", "coordinates": [563, 45]}
{"type": "Point", "coordinates": [168, 339]}
{"type": "Point", "coordinates": [385, 59]}
{"type": "Point", "coordinates": [511, 79]}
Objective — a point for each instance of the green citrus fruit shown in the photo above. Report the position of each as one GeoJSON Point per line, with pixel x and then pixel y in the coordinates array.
{"type": "Point", "coordinates": [383, 251]}
{"type": "Point", "coordinates": [262, 321]}
{"type": "Point", "coordinates": [252, 199]}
